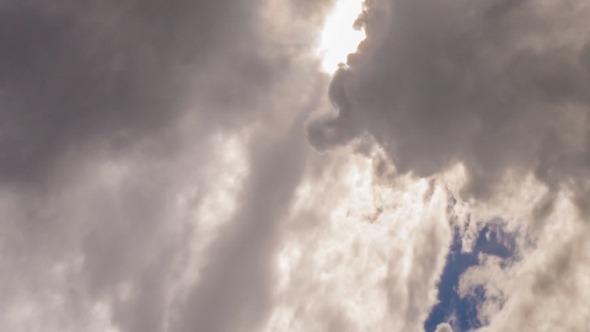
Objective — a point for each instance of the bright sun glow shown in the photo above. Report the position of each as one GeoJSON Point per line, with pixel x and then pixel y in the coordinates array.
{"type": "Point", "coordinates": [339, 38]}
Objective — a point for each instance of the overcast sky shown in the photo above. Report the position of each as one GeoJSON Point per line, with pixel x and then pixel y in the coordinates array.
{"type": "Point", "coordinates": [208, 166]}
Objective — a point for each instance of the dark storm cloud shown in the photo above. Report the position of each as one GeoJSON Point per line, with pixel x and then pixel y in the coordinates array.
{"type": "Point", "coordinates": [495, 85]}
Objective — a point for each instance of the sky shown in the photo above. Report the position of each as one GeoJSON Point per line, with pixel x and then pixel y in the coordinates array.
{"type": "Point", "coordinates": [295, 165]}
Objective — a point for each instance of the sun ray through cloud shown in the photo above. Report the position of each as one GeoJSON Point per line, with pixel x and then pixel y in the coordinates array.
{"type": "Point", "coordinates": [339, 37]}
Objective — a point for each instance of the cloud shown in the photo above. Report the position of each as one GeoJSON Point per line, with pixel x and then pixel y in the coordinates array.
{"type": "Point", "coordinates": [496, 91]}
{"type": "Point", "coordinates": [496, 86]}
{"type": "Point", "coordinates": [110, 118]}
{"type": "Point", "coordinates": [444, 327]}
{"type": "Point", "coordinates": [233, 292]}
{"type": "Point", "coordinates": [156, 177]}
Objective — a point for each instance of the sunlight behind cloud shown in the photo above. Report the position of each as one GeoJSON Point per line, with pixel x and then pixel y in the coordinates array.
{"type": "Point", "coordinates": [339, 37]}
{"type": "Point", "coordinates": [364, 245]}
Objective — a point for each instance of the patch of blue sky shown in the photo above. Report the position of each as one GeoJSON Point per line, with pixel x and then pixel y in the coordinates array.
{"type": "Point", "coordinates": [461, 313]}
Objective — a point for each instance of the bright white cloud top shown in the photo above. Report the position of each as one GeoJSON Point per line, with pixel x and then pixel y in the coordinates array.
{"type": "Point", "coordinates": [339, 38]}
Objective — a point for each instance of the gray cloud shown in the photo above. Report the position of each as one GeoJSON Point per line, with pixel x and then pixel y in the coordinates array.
{"type": "Point", "coordinates": [234, 291]}
{"type": "Point", "coordinates": [108, 112]}
{"type": "Point", "coordinates": [502, 88]}
{"type": "Point", "coordinates": [115, 72]}
{"type": "Point", "coordinates": [496, 86]}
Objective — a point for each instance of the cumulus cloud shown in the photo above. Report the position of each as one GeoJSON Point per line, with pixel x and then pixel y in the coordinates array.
{"type": "Point", "coordinates": [372, 252]}
{"type": "Point", "coordinates": [496, 86]}
{"type": "Point", "coordinates": [543, 288]}
{"type": "Point", "coordinates": [155, 166]}
{"type": "Point", "coordinates": [493, 93]}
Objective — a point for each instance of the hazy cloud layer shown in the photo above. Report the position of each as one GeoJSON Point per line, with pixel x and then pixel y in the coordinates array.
{"type": "Point", "coordinates": [110, 118]}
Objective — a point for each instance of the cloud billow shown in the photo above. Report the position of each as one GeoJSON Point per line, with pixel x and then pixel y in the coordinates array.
{"type": "Point", "coordinates": [496, 86]}
{"type": "Point", "coordinates": [500, 89]}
